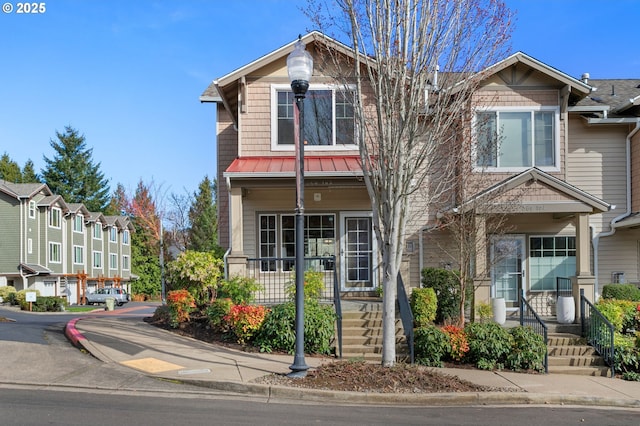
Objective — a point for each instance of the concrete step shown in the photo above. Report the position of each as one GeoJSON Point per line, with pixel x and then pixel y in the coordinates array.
{"type": "Point", "coordinates": [576, 361]}
{"type": "Point", "coordinates": [571, 350]}
{"type": "Point", "coordinates": [599, 371]}
{"type": "Point", "coordinates": [564, 339]}
{"type": "Point", "coordinates": [369, 340]}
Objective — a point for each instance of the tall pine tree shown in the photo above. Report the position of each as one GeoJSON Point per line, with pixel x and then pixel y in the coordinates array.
{"type": "Point", "coordinates": [203, 234]}
{"type": "Point", "coordinates": [73, 175]}
{"type": "Point", "coordinates": [29, 174]}
{"type": "Point", "coordinates": [9, 169]}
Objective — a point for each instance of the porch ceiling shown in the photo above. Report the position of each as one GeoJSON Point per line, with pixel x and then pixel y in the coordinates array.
{"type": "Point", "coordinates": [264, 167]}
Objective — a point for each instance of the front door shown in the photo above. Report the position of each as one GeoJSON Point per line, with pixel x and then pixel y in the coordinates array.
{"type": "Point", "coordinates": [357, 258]}
{"type": "Point", "coordinates": [507, 271]}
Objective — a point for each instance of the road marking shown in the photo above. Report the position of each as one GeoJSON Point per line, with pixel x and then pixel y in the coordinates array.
{"type": "Point", "coordinates": [151, 365]}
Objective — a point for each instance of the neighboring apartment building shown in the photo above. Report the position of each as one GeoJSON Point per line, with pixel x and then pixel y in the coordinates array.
{"type": "Point", "coordinates": [59, 248]}
{"type": "Point", "coordinates": [572, 152]}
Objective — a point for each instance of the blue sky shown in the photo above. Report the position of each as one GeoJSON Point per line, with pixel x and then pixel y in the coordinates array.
{"type": "Point", "coordinates": [128, 74]}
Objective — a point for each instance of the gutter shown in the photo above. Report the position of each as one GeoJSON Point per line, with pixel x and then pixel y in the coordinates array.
{"type": "Point", "coordinates": [612, 225]}
{"type": "Point", "coordinates": [226, 253]}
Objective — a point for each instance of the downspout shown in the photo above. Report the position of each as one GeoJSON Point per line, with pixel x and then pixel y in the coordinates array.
{"type": "Point", "coordinates": [612, 230]}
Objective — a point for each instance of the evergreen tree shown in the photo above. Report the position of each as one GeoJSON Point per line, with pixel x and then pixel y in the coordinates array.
{"type": "Point", "coordinates": [29, 174]}
{"type": "Point", "coordinates": [119, 203]}
{"type": "Point", "coordinates": [9, 169]}
{"type": "Point", "coordinates": [203, 234]}
{"type": "Point", "coordinates": [72, 174]}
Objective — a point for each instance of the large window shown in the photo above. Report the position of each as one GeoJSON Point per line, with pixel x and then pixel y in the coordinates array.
{"type": "Point", "coordinates": [328, 117]}
{"type": "Point", "coordinates": [113, 234]}
{"type": "Point", "coordinates": [78, 255]}
{"type": "Point", "coordinates": [549, 258]}
{"type": "Point", "coordinates": [113, 261]}
{"type": "Point", "coordinates": [78, 223]}
{"type": "Point", "coordinates": [54, 217]}
{"type": "Point", "coordinates": [517, 138]}
{"type": "Point", "coordinates": [55, 252]}
{"type": "Point", "coordinates": [97, 231]}
{"type": "Point", "coordinates": [277, 239]}
{"type": "Point", "coordinates": [97, 259]}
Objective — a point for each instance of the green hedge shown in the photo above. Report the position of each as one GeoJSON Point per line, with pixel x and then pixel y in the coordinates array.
{"type": "Point", "coordinates": [621, 292]}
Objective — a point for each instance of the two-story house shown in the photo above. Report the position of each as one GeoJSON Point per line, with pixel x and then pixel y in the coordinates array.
{"type": "Point", "coordinates": [568, 146]}
{"type": "Point", "coordinates": [52, 246]}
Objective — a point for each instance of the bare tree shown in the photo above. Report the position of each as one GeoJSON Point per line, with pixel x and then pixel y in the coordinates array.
{"type": "Point", "coordinates": [178, 220]}
{"type": "Point", "coordinates": [416, 65]}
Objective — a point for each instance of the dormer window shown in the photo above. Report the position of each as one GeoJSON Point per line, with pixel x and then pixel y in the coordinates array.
{"type": "Point", "coordinates": [32, 209]}
{"type": "Point", "coordinates": [328, 118]}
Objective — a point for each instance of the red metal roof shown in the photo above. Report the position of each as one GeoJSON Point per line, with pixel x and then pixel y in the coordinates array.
{"type": "Point", "coordinates": [346, 165]}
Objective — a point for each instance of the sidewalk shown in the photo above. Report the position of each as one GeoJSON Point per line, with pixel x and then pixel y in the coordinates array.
{"type": "Point", "coordinates": [163, 354]}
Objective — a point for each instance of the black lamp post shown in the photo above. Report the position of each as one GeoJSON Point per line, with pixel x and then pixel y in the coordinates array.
{"type": "Point", "coordinates": [299, 67]}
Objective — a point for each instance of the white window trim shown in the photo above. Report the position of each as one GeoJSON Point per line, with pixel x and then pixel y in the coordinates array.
{"type": "Point", "coordinates": [113, 236]}
{"type": "Point", "coordinates": [29, 245]}
{"type": "Point", "coordinates": [275, 88]}
{"type": "Point", "coordinates": [32, 209]}
{"type": "Point", "coordinates": [97, 225]}
{"type": "Point", "coordinates": [125, 265]}
{"type": "Point", "coordinates": [113, 264]}
{"type": "Point", "coordinates": [556, 128]}
{"type": "Point", "coordinates": [75, 262]}
{"type": "Point", "coordinates": [51, 245]}
{"type": "Point", "coordinates": [55, 209]}
{"type": "Point", "coordinates": [75, 220]}
{"type": "Point", "coordinates": [93, 259]}
{"type": "Point", "coordinates": [125, 237]}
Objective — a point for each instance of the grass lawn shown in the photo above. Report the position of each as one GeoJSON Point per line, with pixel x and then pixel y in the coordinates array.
{"type": "Point", "coordinates": [79, 308]}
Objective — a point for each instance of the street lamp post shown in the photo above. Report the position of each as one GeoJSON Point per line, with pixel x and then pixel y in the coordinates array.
{"type": "Point", "coordinates": [299, 67]}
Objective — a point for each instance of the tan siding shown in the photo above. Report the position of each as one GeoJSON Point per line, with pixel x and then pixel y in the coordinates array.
{"type": "Point", "coordinates": [597, 164]}
{"type": "Point", "coordinates": [619, 253]}
{"type": "Point", "coordinates": [635, 170]}
{"type": "Point", "coordinates": [227, 151]}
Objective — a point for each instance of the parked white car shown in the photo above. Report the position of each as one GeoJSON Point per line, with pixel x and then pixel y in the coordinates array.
{"type": "Point", "coordinates": [100, 296]}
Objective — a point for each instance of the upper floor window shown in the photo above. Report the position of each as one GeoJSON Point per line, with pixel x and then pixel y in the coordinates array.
{"type": "Point", "coordinates": [55, 252]}
{"type": "Point", "coordinates": [54, 217]}
{"type": "Point", "coordinates": [97, 259]}
{"type": "Point", "coordinates": [125, 262]}
{"type": "Point", "coordinates": [78, 223]}
{"type": "Point", "coordinates": [78, 255]}
{"type": "Point", "coordinates": [113, 261]}
{"type": "Point", "coordinates": [125, 237]}
{"type": "Point", "coordinates": [97, 231]}
{"type": "Point", "coordinates": [113, 234]}
{"type": "Point", "coordinates": [32, 209]}
{"type": "Point", "coordinates": [516, 139]}
{"type": "Point", "coordinates": [328, 117]}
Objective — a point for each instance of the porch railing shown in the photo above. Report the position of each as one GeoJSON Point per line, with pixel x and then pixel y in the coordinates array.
{"type": "Point", "coordinates": [406, 316]}
{"type": "Point", "coordinates": [276, 277]}
{"type": "Point", "coordinates": [564, 287]}
{"type": "Point", "coordinates": [528, 316]}
{"type": "Point", "coordinates": [598, 331]}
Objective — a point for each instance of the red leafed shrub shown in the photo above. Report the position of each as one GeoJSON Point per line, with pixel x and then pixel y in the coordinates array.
{"type": "Point", "coordinates": [458, 340]}
{"type": "Point", "coordinates": [180, 303]}
{"type": "Point", "coordinates": [245, 320]}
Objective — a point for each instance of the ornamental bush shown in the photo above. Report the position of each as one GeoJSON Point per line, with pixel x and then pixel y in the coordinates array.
{"type": "Point", "coordinates": [313, 285]}
{"type": "Point", "coordinates": [617, 312]}
{"type": "Point", "coordinates": [528, 350]}
{"type": "Point", "coordinates": [431, 345]}
{"type": "Point", "coordinates": [278, 329]}
{"type": "Point", "coordinates": [621, 292]}
{"type": "Point", "coordinates": [181, 303]}
{"type": "Point", "coordinates": [47, 304]}
{"type": "Point", "coordinates": [424, 305]}
{"type": "Point", "coordinates": [238, 289]}
{"type": "Point", "coordinates": [457, 340]}
{"type": "Point", "coordinates": [489, 345]}
{"type": "Point", "coordinates": [244, 320]}
{"type": "Point", "coordinates": [5, 291]}
{"type": "Point", "coordinates": [217, 311]}
{"type": "Point", "coordinates": [447, 287]}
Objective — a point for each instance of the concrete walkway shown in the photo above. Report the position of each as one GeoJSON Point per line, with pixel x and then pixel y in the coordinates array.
{"type": "Point", "coordinates": [163, 354]}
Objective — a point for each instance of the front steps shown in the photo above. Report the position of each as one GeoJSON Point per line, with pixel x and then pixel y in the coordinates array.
{"type": "Point", "coordinates": [570, 354]}
{"type": "Point", "coordinates": [362, 332]}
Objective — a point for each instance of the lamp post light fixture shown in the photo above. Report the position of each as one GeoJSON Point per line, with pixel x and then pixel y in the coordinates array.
{"type": "Point", "coordinates": [300, 68]}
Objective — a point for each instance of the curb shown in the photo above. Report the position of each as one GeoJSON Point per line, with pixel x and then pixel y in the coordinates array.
{"type": "Point", "coordinates": [72, 333]}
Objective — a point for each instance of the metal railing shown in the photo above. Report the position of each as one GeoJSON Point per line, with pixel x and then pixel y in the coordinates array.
{"type": "Point", "coordinates": [406, 316]}
{"type": "Point", "coordinates": [598, 331]}
{"type": "Point", "coordinates": [276, 277]}
{"type": "Point", "coordinates": [564, 287]}
{"type": "Point", "coordinates": [528, 316]}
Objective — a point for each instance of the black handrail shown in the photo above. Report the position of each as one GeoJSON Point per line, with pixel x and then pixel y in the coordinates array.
{"type": "Point", "coordinates": [405, 315]}
{"type": "Point", "coordinates": [598, 331]}
{"type": "Point", "coordinates": [564, 287]}
{"type": "Point", "coordinates": [528, 316]}
{"type": "Point", "coordinates": [338, 308]}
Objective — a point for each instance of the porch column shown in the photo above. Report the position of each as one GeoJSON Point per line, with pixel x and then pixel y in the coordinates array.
{"type": "Point", "coordinates": [584, 277]}
{"type": "Point", "coordinates": [481, 279]}
{"type": "Point", "coordinates": [236, 260]}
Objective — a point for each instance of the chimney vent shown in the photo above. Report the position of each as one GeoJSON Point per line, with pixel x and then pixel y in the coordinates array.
{"type": "Point", "coordinates": [585, 78]}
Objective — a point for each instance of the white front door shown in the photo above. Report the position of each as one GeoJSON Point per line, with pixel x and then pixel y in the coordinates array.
{"type": "Point", "coordinates": [507, 270]}
{"type": "Point", "coordinates": [357, 252]}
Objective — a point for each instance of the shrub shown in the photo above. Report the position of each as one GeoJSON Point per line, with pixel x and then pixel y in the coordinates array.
{"type": "Point", "coordinates": [626, 354]}
{"type": "Point", "coordinates": [47, 304]}
{"type": "Point", "coordinates": [5, 291]}
{"type": "Point", "coordinates": [245, 320]}
{"type": "Point", "coordinates": [217, 311]}
{"type": "Point", "coordinates": [313, 285]}
{"type": "Point", "coordinates": [447, 287]}
{"type": "Point", "coordinates": [457, 340]}
{"type": "Point", "coordinates": [431, 346]}
{"type": "Point", "coordinates": [528, 350]}
{"type": "Point", "coordinates": [278, 329]}
{"type": "Point", "coordinates": [180, 303]}
{"type": "Point", "coordinates": [21, 296]}
{"type": "Point", "coordinates": [489, 345]}
{"type": "Point", "coordinates": [614, 311]}
{"type": "Point", "coordinates": [424, 305]}
{"type": "Point", "coordinates": [162, 314]}
{"type": "Point", "coordinates": [199, 272]}
{"type": "Point", "coordinates": [484, 312]}
{"type": "Point", "coordinates": [621, 292]}
{"type": "Point", "coordinates": [239, 289]}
